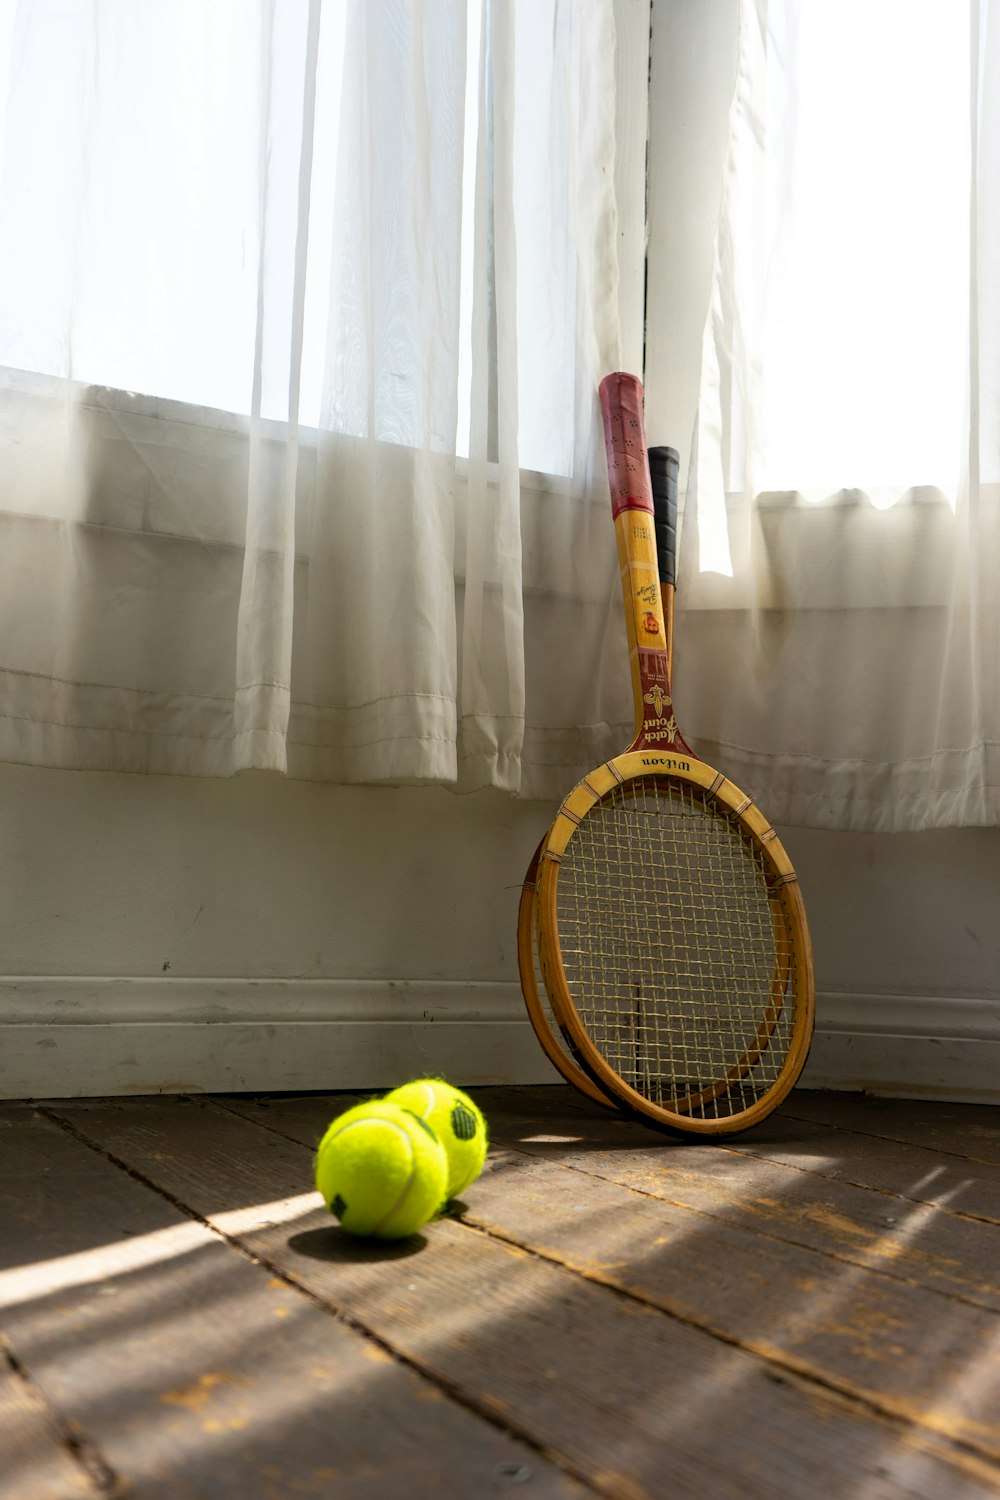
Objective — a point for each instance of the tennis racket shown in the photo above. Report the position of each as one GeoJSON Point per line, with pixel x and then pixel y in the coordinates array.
{"type": "Point", "coordinates": [672, 936]}
{"type": "Point", "coordinates": [663, 463]}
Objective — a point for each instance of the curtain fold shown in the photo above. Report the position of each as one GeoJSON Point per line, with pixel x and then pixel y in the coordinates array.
{"type": "Point", "coordinates": [838, 611]}
{"type": "Point", "coordinates": [302, 313]}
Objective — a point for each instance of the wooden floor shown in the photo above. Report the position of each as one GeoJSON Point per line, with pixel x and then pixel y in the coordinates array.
{"type": "Point", "coordinates": [811, 1310]}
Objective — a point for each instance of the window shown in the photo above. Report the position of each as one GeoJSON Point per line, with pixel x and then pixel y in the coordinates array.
{"type": "Point", "coordinates": [865, 230]}
{"type": "Point", "coordinates": [145, 246]}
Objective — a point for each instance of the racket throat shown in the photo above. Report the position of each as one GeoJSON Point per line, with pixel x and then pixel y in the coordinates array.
{"type": "Point", "coordinates": [655, 724]}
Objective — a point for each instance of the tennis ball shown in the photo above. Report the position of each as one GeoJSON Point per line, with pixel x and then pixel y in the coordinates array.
{"type": "Point", "coordinates": [381, 1170]}
{"type": "Point", "coordinates": [455, 1120]}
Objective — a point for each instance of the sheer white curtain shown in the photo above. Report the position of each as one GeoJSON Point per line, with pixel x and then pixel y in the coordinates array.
{"type": "Point", "coordinates": [303, 306]}
{"type": "Point", "coordinates": [839, 647]}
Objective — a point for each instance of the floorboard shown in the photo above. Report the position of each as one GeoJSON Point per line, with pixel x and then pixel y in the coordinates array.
{"type": "Point", "coordinates": [915, 1173]}
{"type": "Point", "coordinates": [610, 1311]}
{"type": "Point", "coordinates": [970, 1131]}
{"type": "Point", "coordinates": [39, 1458]}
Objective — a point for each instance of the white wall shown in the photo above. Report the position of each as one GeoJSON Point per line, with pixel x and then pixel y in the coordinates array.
{"type": "Point", "coordinates": [172, 933]}
{"type": "Point", "coordinates": [257, 876]}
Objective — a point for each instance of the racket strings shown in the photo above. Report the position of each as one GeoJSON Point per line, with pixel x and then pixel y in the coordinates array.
{"type": "Point", "coordinates": [679, 959]}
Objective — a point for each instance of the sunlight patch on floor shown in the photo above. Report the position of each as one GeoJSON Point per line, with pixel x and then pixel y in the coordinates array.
{"type": "Point", "coordinates": [550, 1140]}
{"type": "Point", "coordinates": [42, 1278]}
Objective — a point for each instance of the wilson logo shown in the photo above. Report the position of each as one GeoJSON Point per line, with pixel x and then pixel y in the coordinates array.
{"type": "Point", "coordinates": [668, 761]}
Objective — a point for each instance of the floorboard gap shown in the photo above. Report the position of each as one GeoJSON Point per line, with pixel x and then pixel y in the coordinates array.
{"type": "Point", "coordinates": [82, 1450]}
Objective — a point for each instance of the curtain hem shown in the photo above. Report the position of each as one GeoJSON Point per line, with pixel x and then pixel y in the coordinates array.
{"type": "Point", "coordinates": [871, 797]}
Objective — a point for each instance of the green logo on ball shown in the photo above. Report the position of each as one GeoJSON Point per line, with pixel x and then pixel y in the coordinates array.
{"type": "Point", "coordinates": [463, 1123]}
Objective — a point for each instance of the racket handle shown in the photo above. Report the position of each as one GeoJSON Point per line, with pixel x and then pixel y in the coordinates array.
{"type": "Point", "coordinates": [664, 464]}
{"type": "Point", "coordinates": [625, 444]}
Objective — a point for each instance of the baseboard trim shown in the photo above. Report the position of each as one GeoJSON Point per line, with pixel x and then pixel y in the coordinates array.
{"type": "Point", "coordinates": [910, 1046]}
{"type": "Point", "coordinates": [64, 1037]}
{"type": "Point", "coordinates": [76, 1037]}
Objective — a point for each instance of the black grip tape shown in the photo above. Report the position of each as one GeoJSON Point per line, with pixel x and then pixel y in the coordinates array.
{"type": "Point", "coordinates": [663, 466]}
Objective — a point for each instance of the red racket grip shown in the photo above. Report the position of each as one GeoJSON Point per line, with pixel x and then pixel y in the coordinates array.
{"type": "Point", "coordinates": [625, 441]}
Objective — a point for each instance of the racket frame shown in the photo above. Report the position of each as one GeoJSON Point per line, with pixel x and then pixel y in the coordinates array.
{"type": "Point", "coordinates": [528, 962]}
{"type": "Point", "coordinates": [632, 768]}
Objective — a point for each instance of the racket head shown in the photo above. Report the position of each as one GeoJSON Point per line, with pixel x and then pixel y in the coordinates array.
{"type": "Point", "coordinates": [533, 990]}
{"type": "Point", "coordinates": [674, 945]}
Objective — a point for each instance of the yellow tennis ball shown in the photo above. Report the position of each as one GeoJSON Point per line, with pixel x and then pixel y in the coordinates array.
{"type": "Point", "coordinates": [455, 1120]}
{"type": "Point", "coordinates": [381, 1170]}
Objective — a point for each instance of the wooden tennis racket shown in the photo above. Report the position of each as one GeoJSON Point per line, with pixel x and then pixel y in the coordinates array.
{"type": "Point", "coordinates": [672, 937]}
{"type": "Point", "coordinates": [663, 464]}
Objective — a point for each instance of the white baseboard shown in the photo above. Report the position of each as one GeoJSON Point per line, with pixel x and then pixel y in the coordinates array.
{"type": "Point", "coordinates": [75, 1037]}
{"type": "Point", "coordinates": [912, 1046]}
{"type": "Point", "coordinates": [78, 1037]}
